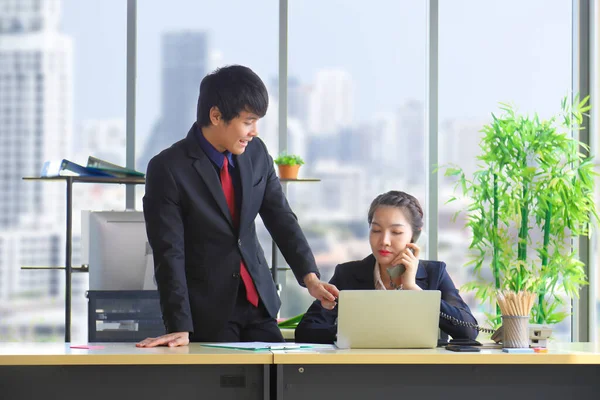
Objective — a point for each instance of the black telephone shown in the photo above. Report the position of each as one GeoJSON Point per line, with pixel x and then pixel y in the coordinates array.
{"type": "Point", "coordinates": [463, 349]}
{"type": "Point", "coordinates": [457, 322]}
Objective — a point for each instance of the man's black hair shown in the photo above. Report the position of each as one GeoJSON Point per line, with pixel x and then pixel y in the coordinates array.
{"type": "Point", "coordinates": [231, 89]}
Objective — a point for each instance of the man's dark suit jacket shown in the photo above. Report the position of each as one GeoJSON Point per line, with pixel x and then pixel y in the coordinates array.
{"type": "Point", "coordinates": [319, 325]}
{"type": "Point", "coordinates": [197, 250]}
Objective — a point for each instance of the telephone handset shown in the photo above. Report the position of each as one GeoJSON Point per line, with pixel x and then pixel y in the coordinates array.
{"type": "Point", "coordinates": [399, 269]}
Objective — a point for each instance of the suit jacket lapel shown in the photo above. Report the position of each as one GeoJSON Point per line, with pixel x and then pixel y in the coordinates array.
{"type": "Point", "coordinates": [207, 172]}
{"type": "Point", "coordinates": [363, 274]}
{"type": "Point", "coordinates": [422, 279]}
{"type": "Point", "coordinates": [246, 178]}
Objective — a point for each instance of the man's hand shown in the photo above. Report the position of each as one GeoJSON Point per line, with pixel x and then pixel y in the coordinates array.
{"type": "Point", "coordinates": [325, 292]}
{"type": "Point", "coordinates": [174, 339]}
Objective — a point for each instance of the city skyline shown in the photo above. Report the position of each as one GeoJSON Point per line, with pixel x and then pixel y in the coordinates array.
{"type": "Point", "coordinates": [381, 84]}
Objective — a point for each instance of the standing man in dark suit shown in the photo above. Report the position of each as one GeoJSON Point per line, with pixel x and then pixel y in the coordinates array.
{"type": "Point", "coordinates": [202, 197]}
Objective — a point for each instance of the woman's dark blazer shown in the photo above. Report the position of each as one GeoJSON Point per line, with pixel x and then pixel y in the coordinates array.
{"type": "Point", "coordinates": [319, 325]}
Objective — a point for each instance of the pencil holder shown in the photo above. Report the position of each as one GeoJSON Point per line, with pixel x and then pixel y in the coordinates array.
{"type": "Point", "coordinates": [516, 331]}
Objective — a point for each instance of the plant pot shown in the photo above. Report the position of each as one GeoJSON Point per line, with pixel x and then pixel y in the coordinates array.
{"type": "Point", "coordinates": [288, 171]}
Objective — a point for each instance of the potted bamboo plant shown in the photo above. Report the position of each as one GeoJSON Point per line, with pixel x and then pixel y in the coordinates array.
{"type": "Point", "coordinates": [533, 193]}
{"type": "Point", "coordinates": [288, 165]}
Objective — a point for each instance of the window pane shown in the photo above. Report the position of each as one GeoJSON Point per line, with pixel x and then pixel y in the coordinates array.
{"type": "Point", "coordinates": [490, 52]}
{"type": "Point", "coordinates": [356, 95]}
{"type": "Point", "coordinates": [62, 95]}
{"type": "Point", "coordinates": [178, 45]}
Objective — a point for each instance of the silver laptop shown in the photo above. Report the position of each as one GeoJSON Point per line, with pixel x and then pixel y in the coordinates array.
{"type": "Point", "coordinates": [388, 319]}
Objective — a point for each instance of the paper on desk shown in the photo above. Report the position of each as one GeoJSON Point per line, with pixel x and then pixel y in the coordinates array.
{"type": "Point", "coordinates": [257, 346]}
{"type": "Point", "coordinates": [87, 347]}
{"type": "Point", "coordinates": [318, 348]}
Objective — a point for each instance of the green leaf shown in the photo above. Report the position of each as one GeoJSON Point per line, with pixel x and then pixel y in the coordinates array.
{"type": "Point", "coordinates": [291, 322]}
{"type": "Point", "coordinates": [531, 195]}
{"type": "Point", "coordinates": [289, 159]}
{"type": "Point", "coordinates": [452, 172]}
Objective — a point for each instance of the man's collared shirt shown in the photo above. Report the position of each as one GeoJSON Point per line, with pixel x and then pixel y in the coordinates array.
{"type": "Point", "coordinates": [217, 158]}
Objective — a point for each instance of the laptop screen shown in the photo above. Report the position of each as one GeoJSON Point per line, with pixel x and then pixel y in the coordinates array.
{"type": "Point", "coordinates": [388, 319]}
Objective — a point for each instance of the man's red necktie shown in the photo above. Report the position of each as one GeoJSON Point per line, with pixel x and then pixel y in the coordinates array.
{"type": "Point", "coordinates": [226, 182]}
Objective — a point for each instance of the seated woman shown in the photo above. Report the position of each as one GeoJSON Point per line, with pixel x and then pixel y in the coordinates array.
{"type": "Point", "coordinates": [395, 221]}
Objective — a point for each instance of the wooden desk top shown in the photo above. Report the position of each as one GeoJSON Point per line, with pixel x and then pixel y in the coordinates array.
{"type": "Point", "coordinates": [567, 353]}
{"type": "Point", "coordinates": [124, 353]}
{"type": "Point", "coordinates": [128, 354]}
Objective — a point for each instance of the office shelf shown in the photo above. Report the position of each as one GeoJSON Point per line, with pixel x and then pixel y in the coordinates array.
{"type": "Point", "coordinates": [69, 181]}
{"type": "Point", "coordinates": [300, 180]}
{"type": "Point", "coordinates": [274, 267]}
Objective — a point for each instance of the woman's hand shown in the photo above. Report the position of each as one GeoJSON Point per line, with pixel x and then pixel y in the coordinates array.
{"type": "Point", "coordinates": [409, 257]}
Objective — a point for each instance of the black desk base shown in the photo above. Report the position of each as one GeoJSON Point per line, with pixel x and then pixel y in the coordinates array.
{"type": "Point", "coordinates": [301, 382]}
{"type": "Point", "coordinates": [132, 382]}
{"type": "Point", "coordinates": [446, 382]}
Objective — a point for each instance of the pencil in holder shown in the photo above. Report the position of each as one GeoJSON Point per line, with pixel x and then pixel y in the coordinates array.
{"type": "Point", "coordinates": [515, 308]}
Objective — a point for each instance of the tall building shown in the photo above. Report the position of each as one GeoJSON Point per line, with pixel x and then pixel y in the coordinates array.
{"type": "Point", "coordinates": [298, 97]}
{"type": "Point", "coordinates": [185, 61]}
{"type": "Point", "coordinates": [322, 148]}
{"type": "Point", "coordinates": [35, 125]}
{"type": "Point", "coordinates": [340, 197]}
{"type": "Point", "coordinates": [459, 143]}
{"type": "Point", "coordinates": [30, 248]}
{"type": "Point", "coordinates": [268, 131]}
{"type": "Point", "coordinates": [35, 109]}
{"type": "Point", "coordinates": [268, 127]}
{"type": "Point", "coordinates": [356, 146]}
{"type": "Point", "coordinates": [411, 142]}
{"type": "Point", "coordinates": [331, 104]}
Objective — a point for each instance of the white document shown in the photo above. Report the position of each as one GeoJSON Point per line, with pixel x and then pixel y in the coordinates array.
{"type": "Point", "coordinates": [255, 346]}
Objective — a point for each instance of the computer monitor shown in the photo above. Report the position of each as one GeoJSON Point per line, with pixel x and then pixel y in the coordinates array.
{"type": "Point", "coordinates": [116, 248]}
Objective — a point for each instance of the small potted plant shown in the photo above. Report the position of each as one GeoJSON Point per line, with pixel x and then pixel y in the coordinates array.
{"type": "Point", "coordinates": [288, 165]}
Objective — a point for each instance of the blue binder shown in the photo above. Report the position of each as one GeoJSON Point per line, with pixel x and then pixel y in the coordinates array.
{"type": "Point", "coordinates": [65, 167]}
